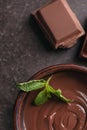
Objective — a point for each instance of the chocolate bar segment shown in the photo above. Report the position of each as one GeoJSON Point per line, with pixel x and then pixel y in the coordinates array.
{"type": "Point", "coordinates": [59, 24]}
{"type": "Point", "coordinates": [84, 48]}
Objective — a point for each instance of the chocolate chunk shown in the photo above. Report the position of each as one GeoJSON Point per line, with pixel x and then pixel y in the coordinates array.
{"type": "Point", "coordinates": [59, 24]}
{"type": "Point", "coordinates": [84, 48]}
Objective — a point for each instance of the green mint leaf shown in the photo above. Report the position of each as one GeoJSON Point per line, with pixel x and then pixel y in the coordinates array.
{"type": "Point", "coordinates": [32, 85]}
{"type": "Point", "coordinates": [41, 98]}
{"type": "Point", "coordinates": [64, 99]}
{"type": "Point", "coordinates": [58, 94]}
{"type": "Point", "coordinates": [53, 91]}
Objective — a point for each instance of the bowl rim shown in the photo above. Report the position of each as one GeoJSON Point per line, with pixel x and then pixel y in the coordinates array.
{"type": "Point", "coordinates": [42, 73]}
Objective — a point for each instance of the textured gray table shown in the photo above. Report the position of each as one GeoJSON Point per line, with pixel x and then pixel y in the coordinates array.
{"type": "Point", "coordinates": [23, 50]}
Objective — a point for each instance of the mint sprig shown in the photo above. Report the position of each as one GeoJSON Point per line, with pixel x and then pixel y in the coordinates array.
{"type": "Point", "coordinates": [45, 94]}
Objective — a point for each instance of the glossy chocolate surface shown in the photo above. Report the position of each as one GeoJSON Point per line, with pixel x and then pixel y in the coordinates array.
{"type": "Point", "coordinates": [84, 48]}
{"type": "Point", "coordinates": [55, 115]}
{"type": "Point", "coordinates": [59, 23]}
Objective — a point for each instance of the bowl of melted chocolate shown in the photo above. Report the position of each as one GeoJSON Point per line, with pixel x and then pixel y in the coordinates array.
{"type": "Point", "coordinates": [55, 115]}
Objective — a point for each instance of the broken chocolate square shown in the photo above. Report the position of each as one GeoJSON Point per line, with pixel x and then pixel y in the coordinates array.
{"type": "Point", "coordinates": [59, 24]}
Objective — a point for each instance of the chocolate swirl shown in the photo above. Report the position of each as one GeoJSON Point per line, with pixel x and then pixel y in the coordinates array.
{"type": "Point", "coordinates": [55, 115]}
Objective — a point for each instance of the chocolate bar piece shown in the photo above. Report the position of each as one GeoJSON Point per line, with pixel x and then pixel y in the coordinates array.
{"type": "Point", "coordinates": [84, 48]}
{"type": "Point", "coordinates": [59, 24]}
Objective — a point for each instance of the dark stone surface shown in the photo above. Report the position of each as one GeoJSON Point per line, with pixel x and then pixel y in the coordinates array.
{"type": "Point", "coordinates": [24, 51]}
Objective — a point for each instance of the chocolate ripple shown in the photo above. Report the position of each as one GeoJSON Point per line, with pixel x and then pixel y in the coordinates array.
{"type": "Point", "coordinates": [54, 115]}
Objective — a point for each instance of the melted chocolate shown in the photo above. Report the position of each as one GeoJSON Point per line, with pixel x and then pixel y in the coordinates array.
{"type": "Point", "coordinates": [55, 115]}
